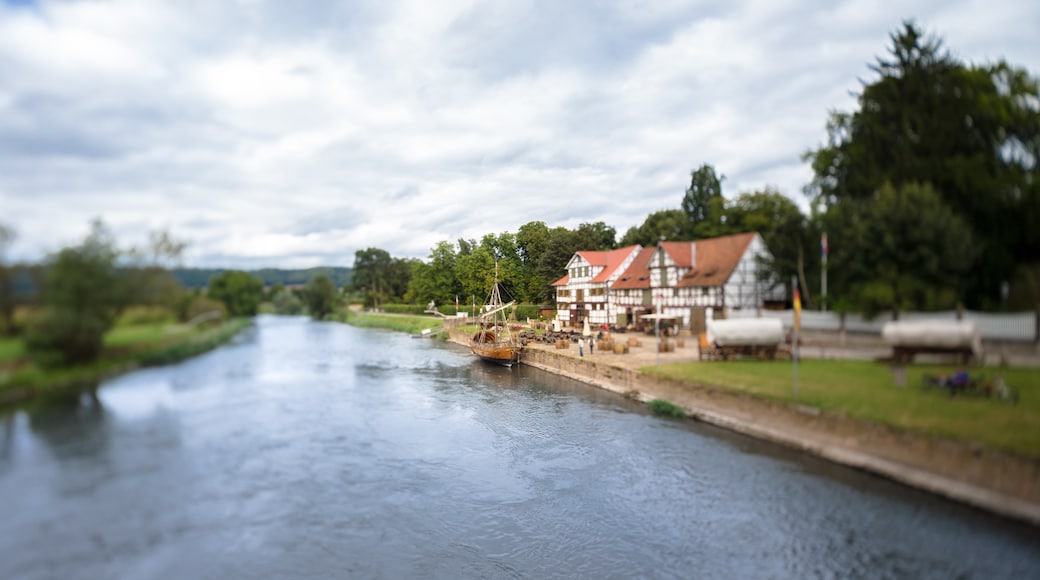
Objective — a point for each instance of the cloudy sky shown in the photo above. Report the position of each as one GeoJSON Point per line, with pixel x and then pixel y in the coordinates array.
{"type": "Point", "coordinates": [292, 134]}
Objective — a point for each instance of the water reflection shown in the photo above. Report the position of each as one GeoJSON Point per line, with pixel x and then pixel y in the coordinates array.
{"type": "Point", "coordinates": [71, 424]}
{"type": "Point", "coordinates": [309, 449]}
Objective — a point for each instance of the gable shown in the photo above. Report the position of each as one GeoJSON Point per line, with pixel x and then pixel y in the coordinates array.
{"type": "Point", "coordinates": [614, 260]}
{"type": "Point", "coordinates": [637, 275]}
{"type": "Point", "coordinates": [717, 258]}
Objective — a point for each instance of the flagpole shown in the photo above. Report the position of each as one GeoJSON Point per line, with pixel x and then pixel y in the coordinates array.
{"type": "Point", "coordinates": [823, 280]}
{"type": "Point", "coordinates": [797, 304]}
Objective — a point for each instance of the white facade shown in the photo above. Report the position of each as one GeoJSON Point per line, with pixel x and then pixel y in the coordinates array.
{"type": "Point", "coordinates": [586, 295]}
{"type": "Point", "coordinates": [668, 279]}
{"type": "Point", "coordinates": [666, 270]}
{"type": "Point", "coordinates": [744, 289]}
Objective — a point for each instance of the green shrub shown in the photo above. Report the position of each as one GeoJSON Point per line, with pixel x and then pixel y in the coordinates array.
{"type": "Point", "coordinates": [525, 311]}
{"type": "Point", "coordinates": [137, 315]}
{"type": "Point", "coordinates": [412, 309]}
{"type": "Point", "coordinates": [197, 344]}
{"type": "Point", "coordinates": [196, 305]}
{"type": "Point", "coordinates": [62, 337]}
{"type": "Point", "coordinates": [240, 292]}
{"type": "Point", "coordinates": [287, 303]}
{"type": "Point", "coordinates": [663, 407]}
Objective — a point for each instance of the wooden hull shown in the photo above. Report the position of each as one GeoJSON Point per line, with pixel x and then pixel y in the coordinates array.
{"type": "Point", "coordinates": [503, 354]}
{"type": "Point", "coordinates": [488, 347]}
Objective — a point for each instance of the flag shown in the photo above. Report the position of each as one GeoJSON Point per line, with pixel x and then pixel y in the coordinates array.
{"type": "Point", "coordinates": [797, 309]}
{"type": "Point", "coordinates": [823, 246]}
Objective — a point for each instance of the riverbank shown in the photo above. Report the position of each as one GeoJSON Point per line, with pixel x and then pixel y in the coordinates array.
{"type": "Point", "coordinates": [993, 480]}
{"type": "Point", "coordinates": [24, 385]}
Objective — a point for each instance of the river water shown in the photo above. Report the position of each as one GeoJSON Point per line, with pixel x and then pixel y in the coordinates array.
{"type": "Point", "coordinates": [318, 450]}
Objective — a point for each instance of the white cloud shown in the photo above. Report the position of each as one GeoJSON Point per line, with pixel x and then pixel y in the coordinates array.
{"type": "Point", "coordinates": [271, 134]}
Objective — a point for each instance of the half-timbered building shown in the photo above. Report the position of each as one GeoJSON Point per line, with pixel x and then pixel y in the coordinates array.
{"type": "Point", "coordinates": [681, 280]}
{"type": "Point", "coordinates": [583, 293]}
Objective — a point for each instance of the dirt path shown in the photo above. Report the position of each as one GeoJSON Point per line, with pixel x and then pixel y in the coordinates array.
{"type": "Point", "coordinates": [992, 480]}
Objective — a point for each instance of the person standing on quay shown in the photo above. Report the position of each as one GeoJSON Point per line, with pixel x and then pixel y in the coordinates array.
{"type": "Point", "coordinates": [581, 347]}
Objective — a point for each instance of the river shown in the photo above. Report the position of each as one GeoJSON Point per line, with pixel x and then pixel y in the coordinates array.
{"type": "Point", "coordinates": [318, 450]}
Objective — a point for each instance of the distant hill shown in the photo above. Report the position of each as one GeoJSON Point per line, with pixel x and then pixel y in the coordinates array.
{"type": "Point", "coordinates": [199, 277]}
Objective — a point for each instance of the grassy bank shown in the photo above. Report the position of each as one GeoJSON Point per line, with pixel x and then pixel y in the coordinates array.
{"type": "Point", "coordinates": [867, 390]}
{"type": "Point", "coordinates": [126, 348]}
{"type": "Point", "coordinates": [399, 322]}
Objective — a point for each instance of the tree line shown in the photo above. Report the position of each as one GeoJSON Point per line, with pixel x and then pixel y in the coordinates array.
{"type": "Point", "coordinates": [80, 292]}
{"type": "Point", "coordinates": [928, 194]}
{"type": "Point", "coordinates": [200, 277]}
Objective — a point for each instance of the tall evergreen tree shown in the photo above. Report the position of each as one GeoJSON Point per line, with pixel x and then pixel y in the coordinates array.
{"type": "Point", "coordinates": [972, 132]}
{"type": "Point", "coordinates": [703, 200]}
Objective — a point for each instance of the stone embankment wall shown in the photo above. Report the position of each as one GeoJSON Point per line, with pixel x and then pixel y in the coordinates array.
{"type": "Point", "coordinates": [989, 479]}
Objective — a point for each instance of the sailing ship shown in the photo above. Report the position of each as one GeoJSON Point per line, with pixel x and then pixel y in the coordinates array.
{"type": "Point", "coordinates": [493, 341]}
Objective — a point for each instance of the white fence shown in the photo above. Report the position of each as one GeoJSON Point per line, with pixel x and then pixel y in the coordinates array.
{"type": "Point", "coordinates": [1016, 326]}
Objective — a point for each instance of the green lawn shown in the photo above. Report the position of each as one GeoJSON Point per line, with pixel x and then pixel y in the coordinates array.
{"type": "Point", "coordinates": [123, 335]}
{"type": "Point", "coordinates": [11, 349]}
{"type": "Point", "coordinates": [398, 322]}
{"type": "Point", "coordinates": [867, 390]}
{"type": "Point", "coordinates": [126, 346]}
{"type": "Point", "coordinates": [138, 334]}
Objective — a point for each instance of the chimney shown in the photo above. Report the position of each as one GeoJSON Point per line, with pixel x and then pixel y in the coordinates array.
{"type": "Point", "coordinates": [693, 255]}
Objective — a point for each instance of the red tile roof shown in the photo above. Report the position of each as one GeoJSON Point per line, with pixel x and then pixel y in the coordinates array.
{"type": "Point", "coordinates": [614, 259]}
{"type": "Point", "coordinates": [716, 259]}
{"type": "Point", "coordinates": [638, 273]}
{"type": "Point", "coordinates": [609, 260]}
{"type": "Point", "coordinates": [594, 257]}
{"type": "Point", "coordinates": [679, 252]}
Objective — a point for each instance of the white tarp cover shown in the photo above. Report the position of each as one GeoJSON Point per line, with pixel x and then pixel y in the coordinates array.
{"type": "Point", "coordinates": [745, 332]}
{"type": "Point", "coordinates": [950, 334]}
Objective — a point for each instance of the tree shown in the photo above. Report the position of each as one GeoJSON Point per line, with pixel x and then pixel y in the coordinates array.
{"type": "Point", "coordinates": [972, 132]}
{"type": "Point", "coordinates": [371, 269]}
{"type": "Point", "coordinates": [703, 199]}
{"type": "Point", "coordinates": [544, 253]}
{"type": "Point", "coordinates": [553, 263]}
{"type": "Point", "coordinates": [240, 292]}
{"type": "Point", "coordinates": [531, 243]}
{"type": "Point", "coordinates": [320, 296]}
{"type": "Point", "coordinates": [85, 292]}
{"type": "Point", "coordinates": [472, 270]}
{"type": "Point", "coordinates": [435, 281]}
{"type": "Point", "coordinates": [286, 302]}
{"type": "Point", "coordinates": [785, 231]}
{"type": "Point", "coordinates": [904, 249]}
{"type": "Point", "coordinates": [7, 294]}
{"type": "Point", "coordinates": [597, 236]}
{"type": "Point", "coordinates": [148, 272]}
{"type": "Point", "coordinates": [668, 224]}
{"type": "Point", "coordinates": [398, 276]}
